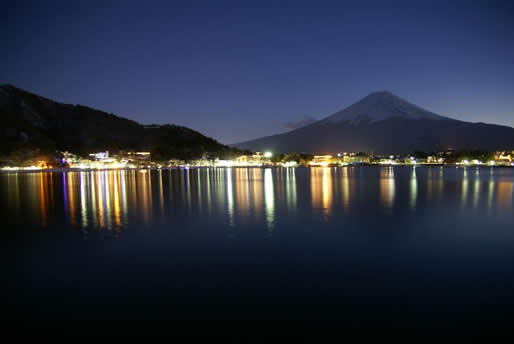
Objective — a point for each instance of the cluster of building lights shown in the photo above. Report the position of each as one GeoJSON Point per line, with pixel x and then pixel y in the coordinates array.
{"type": "Point", "coordinates": [26, 168]}
{"type": "Point", "coordinates": [102, 160]}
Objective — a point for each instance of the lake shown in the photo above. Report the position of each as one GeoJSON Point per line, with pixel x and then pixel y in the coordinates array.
{"type": "Point", "coordinates": [259, 250]}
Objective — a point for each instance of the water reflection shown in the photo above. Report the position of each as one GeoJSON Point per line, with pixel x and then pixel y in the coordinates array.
{"type": "Point", "coordinates": [257, 199]}
{"type": "Point", "coordinates": [290, 183]}
{"type": "Point", "coordinates": [476, 188]}
{"type": "Point", "coordinates": [161, 193]}
{"type": "Point", "coordinates": [387, 188]}
{"type": "Point", "coordinates": [230, 196]}
{"type": "Point", "coordinates": [431, 175]}
{"type": "Point", "coordinates": [321, 189]}
{"type": "Point", "coordinates": [42, 194]}
{"type": "Point", "coordinates": [490, 192]}
{"type": "Point", "coordinates": [505, 195]}
{"type": "Point", "coordinates": [269, 198]}
{"type": "Point", "coordinates": [464, 188]}
{"type": "Point", "coordinates": [242, 192]}
{"type": "Point", "coordinates": [413, 189]}
{"type": "Point", "coordinates": [345, 189]}
{"type": "Point", "coordinates": [83, 205]}
{"type": "Point", "coordinates": [109, 200]}
{"type": "Point", "coordinates": [13, 193]}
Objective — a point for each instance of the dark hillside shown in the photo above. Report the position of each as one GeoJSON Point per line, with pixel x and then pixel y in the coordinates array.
{"type": "Point", "coordinates": [33, 125]}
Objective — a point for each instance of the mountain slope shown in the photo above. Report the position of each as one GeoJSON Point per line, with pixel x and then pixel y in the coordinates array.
{"type": "Point", "coordinates": [379, 106]}
{"type": "Point", "coordinates": [33, 123]}
{"type": "Point", "coordinates": [385, 123]}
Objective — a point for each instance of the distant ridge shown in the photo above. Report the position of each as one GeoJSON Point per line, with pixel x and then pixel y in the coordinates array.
{"type": "Point", "coordinates": [33, 124]}
{"type": "Point", "coordinates": [382, 122]}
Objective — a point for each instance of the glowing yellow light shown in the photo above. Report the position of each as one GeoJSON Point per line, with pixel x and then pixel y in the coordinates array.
{"type": "Point", "coordinates": [268, 155]}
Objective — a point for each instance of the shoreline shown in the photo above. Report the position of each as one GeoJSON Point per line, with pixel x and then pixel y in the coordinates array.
{"type": "Point", "coordinates": [67, 169]}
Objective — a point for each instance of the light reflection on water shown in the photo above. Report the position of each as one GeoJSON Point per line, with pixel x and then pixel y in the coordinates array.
{"type": "Point", "coordinates": [399, 244]}
{"type": "Point", "coordinates": [111, 200]}
{"type": "Point", "coordinates": [322, 189]}
{"type": "Point", "coordinates": [413, 189]}
{"type": "Point", "coordinates": [387, 188]}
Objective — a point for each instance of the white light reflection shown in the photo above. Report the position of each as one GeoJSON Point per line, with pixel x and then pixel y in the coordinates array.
{"type": "Point", "coordinates": [83, 205]}
{"type": "Point", "coordinates": [291, 189]}
{"type": "Point", "coordinates": [413, 189]}
{"type": "Point", "coordinates": [123, 197]}
{"type": "Point", "coordinates": [345, 190]}
{"type": "Point", "coordinates": [269, 199]}
{"type": "Point", "coordinates": [464, 194]}
{"type": "Point", "coordinates": [476, 189]}
{"type": "Point", "coordinates": [230, 197]}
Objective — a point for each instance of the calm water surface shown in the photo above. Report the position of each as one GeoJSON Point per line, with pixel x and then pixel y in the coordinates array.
{"type": "Point", "coordinates": [287, 249]}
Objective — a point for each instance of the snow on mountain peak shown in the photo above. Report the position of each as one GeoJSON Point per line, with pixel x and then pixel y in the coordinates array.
{"type": "Point", "coordinates": [378, 106]}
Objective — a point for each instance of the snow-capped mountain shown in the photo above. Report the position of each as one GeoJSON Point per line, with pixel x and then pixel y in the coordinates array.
{"type": "Point", "coordinates": [379, 106]}
{"type": "Point", "coordinates": [384, 123]}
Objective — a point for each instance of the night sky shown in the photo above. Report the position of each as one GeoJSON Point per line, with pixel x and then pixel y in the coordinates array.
{"type": "Point", "coordinates": [237, 71]}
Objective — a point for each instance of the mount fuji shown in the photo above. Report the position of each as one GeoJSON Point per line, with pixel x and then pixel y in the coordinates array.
{"type": "Point", "coordinates": [384, 123]}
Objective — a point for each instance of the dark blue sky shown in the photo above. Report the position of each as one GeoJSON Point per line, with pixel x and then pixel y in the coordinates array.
{"type": "Point", "coordinates": [237, 71]}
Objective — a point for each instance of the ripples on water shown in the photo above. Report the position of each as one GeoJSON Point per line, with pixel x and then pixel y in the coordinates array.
{"type": "Point", "coordinates": [116, 199]}
{"type": "Point", "coordinates": [358, 247]}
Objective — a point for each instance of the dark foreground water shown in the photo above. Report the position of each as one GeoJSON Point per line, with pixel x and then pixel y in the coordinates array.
{"type": "Point", "coordinates": [255, 251]}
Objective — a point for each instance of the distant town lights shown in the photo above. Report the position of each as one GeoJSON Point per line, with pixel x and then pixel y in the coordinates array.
{"type": "Point", "coordinates": [268, 154]}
